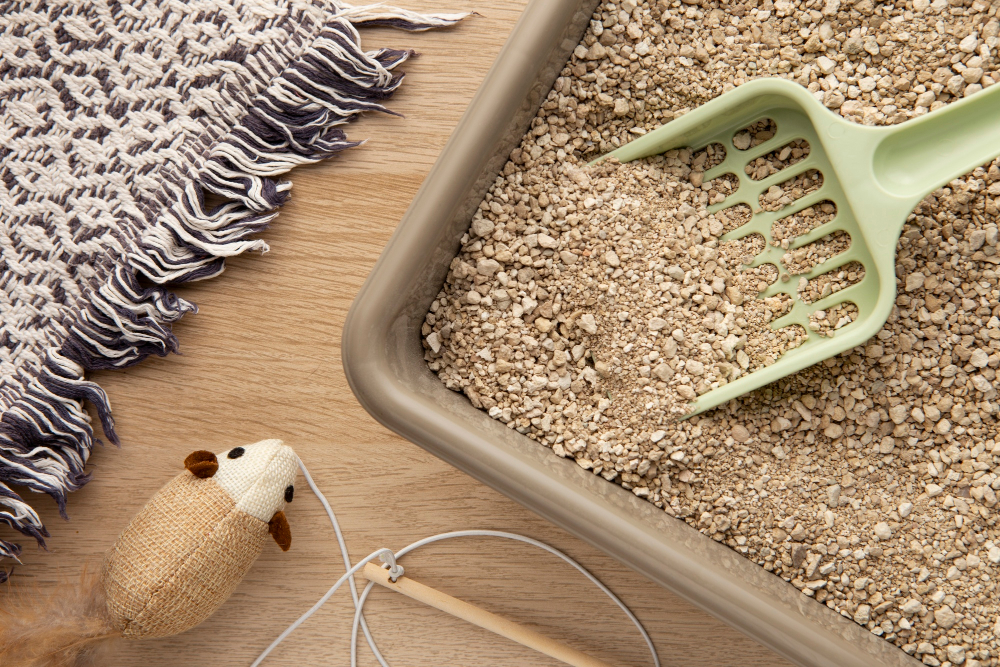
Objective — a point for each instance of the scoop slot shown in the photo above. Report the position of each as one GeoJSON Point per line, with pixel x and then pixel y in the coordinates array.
{"type": "Point", "coordinates": [831, 282]}
{"type": "Point", "coordinates": [755, 134]}
{"type": "Point", "coordinates": [768, 347]}
{"type": "Point", "coordinates": [826, 322]}
{"type": "Point", "coordinates": [803, 222]}
{"type": "Point", "coordinates": [777, 306]}
{"type": "Point", "coordinates": [777, 160]}
{"type": "Point", "coordinates": [757, 278]}
{"type": "Point", "coordinates": [734, 217]}
{"type": "Point", "coordinates": [722, 187]}
{"type": "Point", "coordinates": [804, 259]}
{"type": "Point", "coordinates": [710, 156]}
{"type": "Point", "coordinates": [783, 194]}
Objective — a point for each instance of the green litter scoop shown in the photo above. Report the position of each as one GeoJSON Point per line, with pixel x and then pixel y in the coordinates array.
{"type": "Point", "coordinates": [874, 175]}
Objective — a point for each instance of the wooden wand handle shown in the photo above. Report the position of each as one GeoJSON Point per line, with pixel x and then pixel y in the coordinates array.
{"type": "Point", "coordinates": [481, 617]}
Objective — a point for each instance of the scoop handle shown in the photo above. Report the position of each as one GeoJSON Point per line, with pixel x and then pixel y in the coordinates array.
{"type": "Point", "coordinates": [920, 156]}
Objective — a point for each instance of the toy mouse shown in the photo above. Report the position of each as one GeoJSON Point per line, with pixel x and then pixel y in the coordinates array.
{"type": "Point", "coordinates": [174, 564]}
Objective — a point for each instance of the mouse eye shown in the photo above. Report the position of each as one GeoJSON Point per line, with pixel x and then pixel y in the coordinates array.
{"type": "Point", "coordinates": [235, 453]}
{"type": "Point", "coordinates": [289, 493]}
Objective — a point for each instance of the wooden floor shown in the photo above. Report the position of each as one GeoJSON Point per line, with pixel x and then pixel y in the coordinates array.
{"type": "Point", "coordinates": [262, 359]}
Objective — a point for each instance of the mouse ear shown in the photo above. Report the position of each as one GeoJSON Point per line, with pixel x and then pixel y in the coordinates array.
{"type": "Point", "coordinates": [279, 530]}
{"type": "Point", "coordinates": [201, 463]}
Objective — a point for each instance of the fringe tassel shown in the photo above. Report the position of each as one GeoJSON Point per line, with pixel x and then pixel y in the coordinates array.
{"type": "Point", "coordinates": [46, 435]}
{"type": "Point", "coordinates": [190, 243]}
{"type": "Point", "coordinates": [393, 17]}
{"type": "Point", "coordinates": [295, 120]}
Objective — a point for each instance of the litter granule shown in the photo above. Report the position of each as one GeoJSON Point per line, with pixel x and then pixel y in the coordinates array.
{"type": "Point", "coordinates": [588, 305]}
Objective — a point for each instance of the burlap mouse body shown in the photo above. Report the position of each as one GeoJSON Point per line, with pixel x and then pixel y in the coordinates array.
{"type": "Point", "coordinates": [173, 565]}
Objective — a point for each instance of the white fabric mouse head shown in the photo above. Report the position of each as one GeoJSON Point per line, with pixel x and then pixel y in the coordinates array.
{"type": "Point", "coordinates": [259, 477]}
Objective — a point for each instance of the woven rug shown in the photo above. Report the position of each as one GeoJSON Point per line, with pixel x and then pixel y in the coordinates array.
{"type": "Point", "coordinates": [115, 120]}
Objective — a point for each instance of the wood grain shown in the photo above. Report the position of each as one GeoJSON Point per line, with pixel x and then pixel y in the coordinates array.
{"type": "Point", "coordinates": [262, 359]}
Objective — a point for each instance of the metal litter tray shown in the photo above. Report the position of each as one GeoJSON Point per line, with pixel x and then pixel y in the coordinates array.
{"type": "Point", "coordinates": [383, 360]}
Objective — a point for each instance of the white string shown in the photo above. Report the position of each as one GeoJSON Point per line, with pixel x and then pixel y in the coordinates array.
{"type": "Point", "coordinates": [390, 559]}
{"type": "Point", "coordinates": [347, 565]}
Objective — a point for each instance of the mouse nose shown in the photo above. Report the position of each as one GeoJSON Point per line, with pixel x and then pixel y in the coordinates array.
{"type": "Point", "coordinates": [285, 452]}
{"type": "Point", "coordinates": [286, 461]}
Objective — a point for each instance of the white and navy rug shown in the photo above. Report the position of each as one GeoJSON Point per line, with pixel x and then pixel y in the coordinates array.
{"type": "Point", "coordinates": [115, 119]}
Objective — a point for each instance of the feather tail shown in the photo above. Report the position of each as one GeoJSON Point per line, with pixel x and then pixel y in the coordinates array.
{"type": "Point", "coordinates": [68, 627]}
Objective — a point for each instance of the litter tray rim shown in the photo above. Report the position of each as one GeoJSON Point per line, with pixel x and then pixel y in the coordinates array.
{"type": "Point", "coordinates": [388, 375]}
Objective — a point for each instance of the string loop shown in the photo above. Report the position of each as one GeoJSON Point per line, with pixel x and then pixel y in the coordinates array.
{"type": "Point", "coordinates": [395, 569]}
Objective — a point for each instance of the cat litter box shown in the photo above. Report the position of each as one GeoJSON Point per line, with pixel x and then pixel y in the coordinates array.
{"type": "Point", "coordinates": [384, 362]}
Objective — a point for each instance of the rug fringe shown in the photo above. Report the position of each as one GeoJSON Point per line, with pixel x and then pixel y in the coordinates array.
{"type": "Point", "coordinates": [394, 17]}
{"type": "Point", "coordinates": [46, 435]}
{"type": "Point", "coordinates": [190, 243]}
{"type": "Point", "coordinates": [296, 119]}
